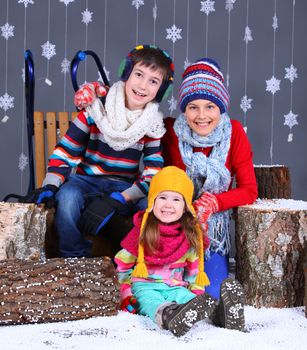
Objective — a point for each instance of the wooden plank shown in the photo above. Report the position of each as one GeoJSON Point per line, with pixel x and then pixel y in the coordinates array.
{"type": "Point", "coordinates": [39, 140]}
{"type": "Point", "coordinates": [51, 131]}
{"type": "Point", "coordinates": [63, 123]}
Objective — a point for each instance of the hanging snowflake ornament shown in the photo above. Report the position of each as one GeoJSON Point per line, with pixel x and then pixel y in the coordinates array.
{"type": "Point", "coordinates": [87, 16]}
{"type": "Point", "coordinates": [22, 162]}
{"type": "Point", "coordinates": [247, 35]}
{"type": "Point", "coordinates": [137, 3]}
{"type": "Point", "coordinates": [65, 65]}
{"type": "Point", "coordinates": [66, 2]}
{"type": "Point", "coordinates": [187, 63]}
{"type": "Point", "coordinates": [273, 85]}
{"type": "Point", "coordinates": [48, 50]}
{"type": "Point", "coordinates": [23, 74]}
{"type": "Point", "coordinates": [173, 33]}
{"type": "Point", "coordinates": [172, 104]}
{"type": "Point", "coordinates": [229, 5]}
{"type": "Point", "coordinates": [291, 73]}
{"type": "Point", "coordinates": [290, 119]}
{"type": "Point", "coordinates": [246, 103]}
{"type": "Point", "coordinates": [6, 102]}
{"type": "Point", "coordinates": [7, 31]}
{"type": "Point", "coordinates": [26, 2]}
{"type": "Point", "coordinates": [207, 6]}
{"type": "Point", "coordinates": [275, 22]}
{"type": "Point", "coordinates": [155, 12]}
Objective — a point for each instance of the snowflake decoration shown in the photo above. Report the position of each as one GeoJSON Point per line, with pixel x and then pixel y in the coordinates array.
{"type": "Point", "coordinates": [23, 74]}
{"type": "Point", "coordinates": [207, 6]}
{"type": "Point", "coordinates": [155, 12]}
{"type": "Point", "coordinates": [172, 104]}
{"type": "Point", "coordinates": [23, 162]}
{"type": "Point", "coordinates": [137, 3]}
{"type": "Point", "coordinates": [291, 73]}
{"type": "Point", "coordinates": [247, 35]}
{"type": "Point", "coordinates": [290, 119]}
{"type": "Point", "coordinates": [7, 31]}
{"type": "Point", "coordinates": [245, 104]}
{"type": "Point", "coordinates": [5, 119]}
{"type": "Point", "coordinates": [87, 16]}
{"type": "Point", "coordinates": [272, 85]}
{"type": "Point", "coordinates": [187, 63]}
{"type": "Point", "coordinates": [107, 73]}
{"type": "Point", "coordinates": [6, 101]}
{"type": "Point", "coordinates": [275, 22]}
{"type": "Point", "coordinates": [65, 65]}
{"type": "Point", "coordinates": [26, 2]}
{"type": "Point", "coordinates": [173, 33]}
{"type": "Point", "coordinates": [66, 2]}
{"type": "Point", "coordinates": [48, 50]}
{"type": "Point", "coordinates": [229, 5]}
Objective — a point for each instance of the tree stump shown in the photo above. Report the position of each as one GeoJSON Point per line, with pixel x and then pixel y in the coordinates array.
{"type": "Point", "coordinates": [22, 230]}
{"type": "Point", "coordinates": [273, 181]}
{"type": "Point", "coordinates": [270, 238]}
{"type": "Point", "coordinates": [57, 290]}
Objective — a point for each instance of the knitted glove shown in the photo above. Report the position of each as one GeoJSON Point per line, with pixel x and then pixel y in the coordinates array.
{"type": "Point", "coordinates": [204, 206]}
{"type": "Point", "coordinates": [99, 211]}
{"type": "Point", "coordinates": [130, 304]}
{"type": "Point", "coordinates": [44, 194]}
{"type": "Point", "coordinates": [87, 93]}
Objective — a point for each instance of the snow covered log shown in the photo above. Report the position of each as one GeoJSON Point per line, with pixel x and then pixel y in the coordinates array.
{"type": "Point", "coordinates": [57, 290]}
{"type": "Point", "coordinates": [22, 230]}
{"type": "Point", "coordinates": [273, 181]}
{"type": "Point", "coordinates": [270, 238]}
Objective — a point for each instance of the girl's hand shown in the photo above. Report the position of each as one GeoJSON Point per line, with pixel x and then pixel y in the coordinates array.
{"type": "Point", "coordinates": [87, 93]}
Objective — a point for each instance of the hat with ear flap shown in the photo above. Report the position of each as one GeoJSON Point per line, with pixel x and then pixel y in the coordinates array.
{"type": "Point", "coordinates": [128, 63]}
{"type": "Point", "coordinates": [173, 179]}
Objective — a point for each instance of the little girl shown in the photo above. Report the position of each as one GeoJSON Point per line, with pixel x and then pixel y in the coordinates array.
{"type": "Point", "coordinates": [161, 265]}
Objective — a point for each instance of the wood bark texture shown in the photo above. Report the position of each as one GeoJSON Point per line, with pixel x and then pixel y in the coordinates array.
{"type": "Point", "coordinates": [273, 182]}
{"type": "Point", "coordinates": [270, 255]}
{"type": "Point", "coordinates": [57, 290]}
{"type": "Point", "coordinates": [22, 230]}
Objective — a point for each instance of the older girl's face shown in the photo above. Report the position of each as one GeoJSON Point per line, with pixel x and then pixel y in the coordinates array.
{"type": "Point", "coordinates": [202, 116]}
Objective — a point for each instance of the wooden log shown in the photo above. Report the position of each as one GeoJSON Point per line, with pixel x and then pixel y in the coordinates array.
{"type": "Point", "coordinates": [270, 236]}
{"type": "Point", "coordinates": [57, 290]}
{"type": "Point", "coordinates": [273, 181]}
{"type": "Point", "coordinates": [22, 230]}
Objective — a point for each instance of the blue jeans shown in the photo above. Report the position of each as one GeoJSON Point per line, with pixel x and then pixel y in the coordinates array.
{"type": "Point", "coordinates": [70, 200]}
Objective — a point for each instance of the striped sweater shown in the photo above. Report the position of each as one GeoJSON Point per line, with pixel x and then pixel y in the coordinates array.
{"type": "Point", "coordinates": [83, 150]}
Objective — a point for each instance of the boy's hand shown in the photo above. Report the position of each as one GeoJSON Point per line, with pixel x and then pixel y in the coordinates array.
{"type": "Point", "coordinates": [204, 206]}
{"type": "Point", "coordinates": [87, 93]}
{"type": "Point", "coordinates": [43, 195]}
{"type": "Point", "coordinates": [129, 304]}
{"type": "Point", "coordinates": [99, 211]}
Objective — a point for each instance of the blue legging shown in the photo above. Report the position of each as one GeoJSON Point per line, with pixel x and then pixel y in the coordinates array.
{"type": "Point", "coordinates": [151, 295]}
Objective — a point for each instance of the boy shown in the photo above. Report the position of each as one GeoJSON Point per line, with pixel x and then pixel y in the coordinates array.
{"type": "Point", "coordinates": [96, 164]}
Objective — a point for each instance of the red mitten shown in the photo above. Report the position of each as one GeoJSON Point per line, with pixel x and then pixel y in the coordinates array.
{"type": "Point", "coordinates": [129, 304]}
{"type": "Point", "coordinates": [204, 206]}
{"type": "Point", "coordinates": [87, 93]}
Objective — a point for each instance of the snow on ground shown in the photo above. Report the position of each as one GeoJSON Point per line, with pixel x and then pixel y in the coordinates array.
{"type": "Point", "coordinates": [266, 329]}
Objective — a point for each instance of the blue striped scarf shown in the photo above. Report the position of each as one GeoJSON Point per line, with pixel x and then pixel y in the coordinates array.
{"type": "Point", "coordinates": [209, 174]}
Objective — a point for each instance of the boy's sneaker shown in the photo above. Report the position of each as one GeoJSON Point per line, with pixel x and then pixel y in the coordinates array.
{"type": "Point", "coordinates": [179, 318]}
{"type": "Point", "coordinates": [230, 313]}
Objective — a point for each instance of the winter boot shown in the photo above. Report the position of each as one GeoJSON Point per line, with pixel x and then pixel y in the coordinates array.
{"type": "Point", "coordinates": [179, 318]}
{"type": "Point", "coordinates": [230, 311]}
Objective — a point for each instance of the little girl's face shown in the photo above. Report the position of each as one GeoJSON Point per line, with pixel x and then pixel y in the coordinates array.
{"type": "Point", "coordinates": [169, 206]}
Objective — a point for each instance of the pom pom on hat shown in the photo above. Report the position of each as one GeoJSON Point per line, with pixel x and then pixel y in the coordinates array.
{"type": "Point", "coordinates": [203, 80]}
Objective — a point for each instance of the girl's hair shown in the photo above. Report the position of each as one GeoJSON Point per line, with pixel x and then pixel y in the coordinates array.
{"type": "Point", "coordinates": [151, 234]}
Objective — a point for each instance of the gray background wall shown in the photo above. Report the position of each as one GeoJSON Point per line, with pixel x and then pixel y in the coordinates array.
{"type": "Point", "coordinates": [218, 35]}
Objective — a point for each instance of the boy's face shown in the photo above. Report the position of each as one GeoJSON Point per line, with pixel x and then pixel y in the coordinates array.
{"type": "Point", "coordinates": [169, 206]}
{"type": "Point", "coordinates": [142, 86]}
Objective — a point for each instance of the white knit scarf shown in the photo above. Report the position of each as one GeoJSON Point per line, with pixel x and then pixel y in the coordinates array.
{"type": "Point", "coordinates": [121, 127]}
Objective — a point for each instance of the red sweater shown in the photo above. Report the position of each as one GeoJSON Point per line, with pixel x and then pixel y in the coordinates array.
{"type": "Point", "coordinates": [239, 162]}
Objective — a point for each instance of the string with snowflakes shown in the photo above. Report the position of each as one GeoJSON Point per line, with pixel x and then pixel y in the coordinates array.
{"type": "Point", "coordinates": [187, 61]}
{"type": "Point", "coordinates": [154, 16]}
{"type": "Point", "coordinates": [48, 49]}
{"type": "Point", "coordinates": [107, 73]}
{"type": "Point", "coordinates": [291, 74]}
{"type": "Point", "coordinates": [137, 4]}
{"type": "Point", "coordinates": [246, 102]}
{"type": "Point", "coordinates": [207, 7]}
{"type": "Point", "coordinates": [273, 84]}
{"type": "Point", "coordinates": [65, 65]}
{"type": "Point", "coordinates": [173, 33]}
{"type": "Point", "coordinates": [6, 100]}
{"type": "Point", "coordinates": [229, 8]}
{"type": "Point", "coordinates": [87, 17]}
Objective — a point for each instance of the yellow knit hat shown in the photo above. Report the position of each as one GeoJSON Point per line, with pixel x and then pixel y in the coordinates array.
{"type": "Point", "coordinates": [174, 179]}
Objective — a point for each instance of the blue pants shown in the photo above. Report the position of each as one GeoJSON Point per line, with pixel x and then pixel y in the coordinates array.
{"type": "Point", "coordinates": [151, 296]}
{"type": "Point", "coordinates": [70, 200]}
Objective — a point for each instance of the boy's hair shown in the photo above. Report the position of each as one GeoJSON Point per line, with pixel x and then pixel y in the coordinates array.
{"type": "Point", "coordinates": [153, 57]}
{"type": "Point", "coordinates": [151, 234]}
